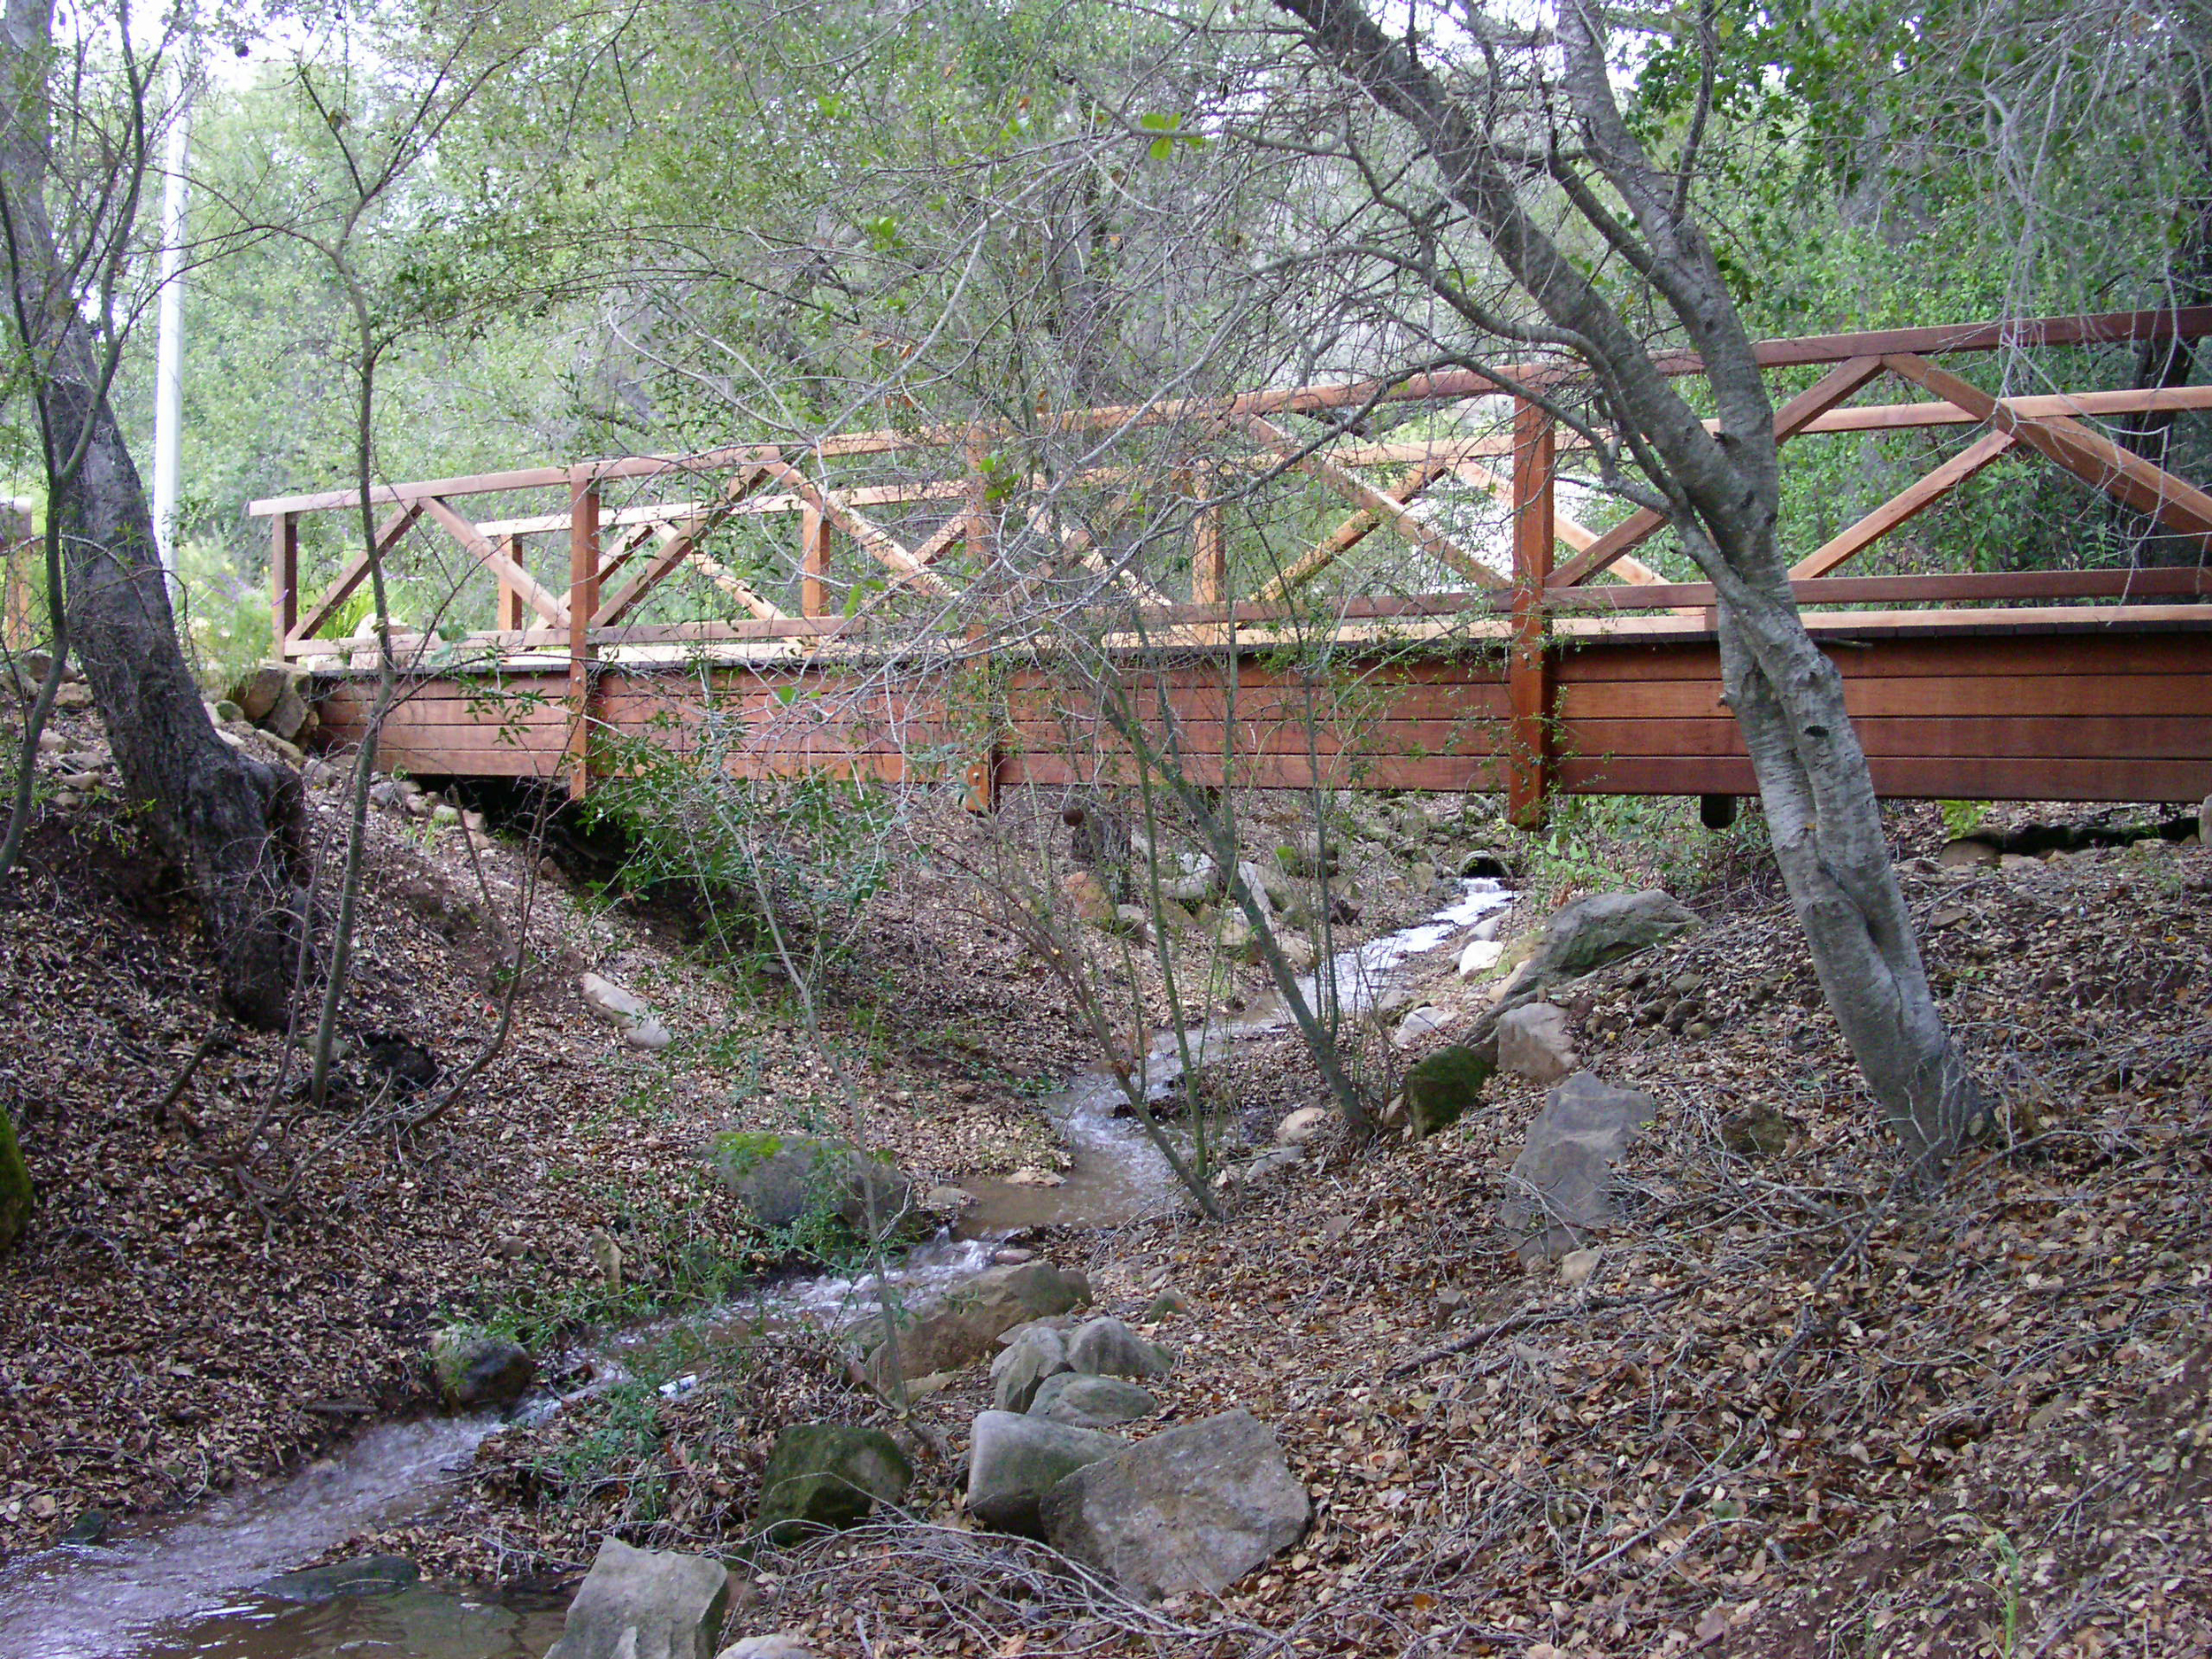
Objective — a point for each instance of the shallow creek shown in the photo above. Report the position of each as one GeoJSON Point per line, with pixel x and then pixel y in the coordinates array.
{"type": "Point", "coordinates": [183, 1588]}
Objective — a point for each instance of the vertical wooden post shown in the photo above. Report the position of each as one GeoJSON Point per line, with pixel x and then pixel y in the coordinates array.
{"type": "Point", "coordinates": [284, 583]}
{"type": "Point", "coordinates": [1528, 761]}
{"type": "Point", "coordinates": [982, 773]}
{"type": "Point", "coordinates": [814, 558]}
{"type": "Point", "coordinates": [19, 555]}
{"type": "Point", "coordinates": [510, 620]}
{"type": "Point", "coordinates": [583, 599]}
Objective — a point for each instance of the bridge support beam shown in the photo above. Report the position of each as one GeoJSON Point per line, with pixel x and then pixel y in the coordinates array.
{"type": "Point", "coordinates": [1530, 764]}
{"type": "Point", "coordinates": [583, 601]}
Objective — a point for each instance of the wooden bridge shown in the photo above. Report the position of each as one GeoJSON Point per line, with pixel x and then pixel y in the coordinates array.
{"type": "Point", "coordinates": [944, 585]}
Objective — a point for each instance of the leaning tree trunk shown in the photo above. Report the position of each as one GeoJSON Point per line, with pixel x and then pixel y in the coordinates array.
{"type": "Point", "coordinates": [1825, 823]}
{"type": "Point", "coordinates": [229, 817]}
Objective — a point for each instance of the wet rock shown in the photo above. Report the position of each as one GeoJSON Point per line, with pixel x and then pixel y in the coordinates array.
{"type": "Point", "coordinates": [365, 1574]}
{"type": "Point", "coordinates": [963, 1328]}
{"type": "Point", "coordinates": [88, 1529]}
{"type": "Point", "coordinates": [948, 1200]}
{"type": "Point", "coordinates": [1301, 1125]}
{"type": "Point", "coordinates": [829, 1474]}
{"type": "Point", "coordinates": [1558, 1182]}
{"type": "Point", "coordinates": [1444, 1086]}
{"type": "Point", "coordinates": [645, 1604]}
{"type": "Point", "coordinates": [1099, 1404]}
{"type": "Point", "coordinates": [1037, 1352]}
{"type": "Point", "coordinates": [480, 1373]}
{"type": "Point", "coordinates": [1968, 852]}
{"type": "Point", "coordinates": [1535, 1042]}
{"type": "Point", "coordinates": [1105, 1347]}
{"type": "Point", "coordinates": [780, 1180]}
{"type": "Point", "coordinates": [1195, 1508]}
{"type": "Point", "coordinates": [1030, 1176]}
{"type": "Point", "coordinates": [1013, 1255]}
{"type": "Point", "coordinates": [1014, 1461]}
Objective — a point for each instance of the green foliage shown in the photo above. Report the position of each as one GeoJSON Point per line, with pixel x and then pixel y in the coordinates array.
{"type": "Point", "coordinates": [1962, 818]}
{"type": "Point", "coordinates": [17, 1196]}
{"type": "Point", "coordinates": [225, 611]}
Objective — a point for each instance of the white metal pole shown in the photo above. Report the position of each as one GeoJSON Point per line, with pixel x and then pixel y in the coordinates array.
{"type": "Point", "coordinates": [169, 348]}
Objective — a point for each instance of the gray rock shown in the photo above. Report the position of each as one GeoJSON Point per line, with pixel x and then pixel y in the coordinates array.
{"type": "Point", "coordinates": [367, 1575]}
{"type": "Point", "coordinates": [90, 1528]}
{"type": "Point", "coordinates": [1968, 852]}
{"type": "Point", "coordinates": [1444, 1086]}
{"type": "Point", "coordinates": [257, 692]}
{"type": "Point", "coordinates": [615, 1003]}
{"type": "Point", "coordinates": [779, 1179]}
{"type": "Point", "coordinates": [1306, 857]}
{"type": "Point", "coordinates": [1592, 932]}
{"type": "Point", "coordinates": [1191, 878]}
{"type": "Point", "coordinates": [828, 1474]}
{"type": "Point", "coordinates": [645, 1604]}
{"type": "Point", "coordinates": [1301, 1125]}
{"type": "Point", "coordinates": [1267, 884]}
{"type": "Point", "coordinates": [1091, 1402]}
{"type": "Point", "coordinates": [648, 1034]}
{"type": "Point", "coordinates": [1195, 1508]}
{"type": "Point", "coordinates": [1535, 1042]}
{"type": "Point", "coordinates": [948, 1200]}
{"type": "Point", "coordinates": [1037, 1352]}
{"type": "Point", "coordinates": [1250, 1174]}
{"type": "Point", "coordinates": [479, 1374]}
{"type": "Point", "coordinates": [1105, 1347]}
{"type": "Point", "coordinates": [1422, 1022]}
{"type": "Point", "coordinates": [963, 1328]}
{"type": "Point", "coordinates": [1014, 1461]}
{"type": "Point", "coordinates": [1558, 1182]}
{"type": "Point", "coordinates": [776, 1646]}
{"type": "Point", "coordinates": [291, 716]}
{"type": "Point", "coordinates": [1236, 938]}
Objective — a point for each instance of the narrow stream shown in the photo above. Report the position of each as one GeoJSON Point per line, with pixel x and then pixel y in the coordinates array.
{"type": "Point", "coordinates": [184, 1590]}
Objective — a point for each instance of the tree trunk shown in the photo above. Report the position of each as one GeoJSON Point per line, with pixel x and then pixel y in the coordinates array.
{"type": "Point", "coordinates": [1722, 491]}
{"type": "Point", "coordinates": [229, 817]}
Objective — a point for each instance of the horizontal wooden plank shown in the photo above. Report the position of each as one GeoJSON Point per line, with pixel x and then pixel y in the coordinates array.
{"type": "Point", "coordinates": [2147, 737]}
{"type": "Point", "coordinates": [1452, 774]}
{"type": "Point", "coordinates": [1913, 696]}
{"type": "Point", "coordinates": [1413, 738]}
{"type": "Point", "coordinates": [1935, 778]}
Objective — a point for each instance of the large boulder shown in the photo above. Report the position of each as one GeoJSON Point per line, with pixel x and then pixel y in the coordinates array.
{"type": "Point", "coordinates": [256, 693]}
{"type": "Point", "coordinates": [968, 1322]}
{"type": "Point", "coordinates": [1444, 1086]}
{"type": "Point", "coordinates": [1195, 1508]}
{"type": "Point", "coordinates": [1558, 1186]}
{"type": "Point", "coordinates": [1105, 1347]}
{"type": "Point", "coordinates": [1015, 1460]}
{"type": "Point", "coordinates": [645, 1604]}
{"type": "Point", "coordinates": [1592, 932]}
{"type": "Point", "coordinates": [480, 1373]}
{"type": "Point", "coordinates": [1535, 1042]}
{"type": "Point", "coordinates": [1091, 1402]}
{"type": "Point", "coordinates": [828, 1474]}
{"type": "Point", "coordinates": [364, 1575]}
{"type": "Point", "coordinates": [1038, 1351]}
{"type": "Point", "coordinates": [784, 1180]}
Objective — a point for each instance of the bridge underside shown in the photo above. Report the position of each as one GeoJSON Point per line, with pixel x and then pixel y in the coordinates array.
{"type": "Point", "coordinates": [2111, 711]}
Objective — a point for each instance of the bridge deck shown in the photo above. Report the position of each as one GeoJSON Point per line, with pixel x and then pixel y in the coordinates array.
{"type": "Point", "coordinates": [2120, 711]}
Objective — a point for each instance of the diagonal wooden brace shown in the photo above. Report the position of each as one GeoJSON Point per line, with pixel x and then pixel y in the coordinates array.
{"type": "Point", "coordinates": [678, 543]}
{"type": "Point", "coordinates": [2093, 458]}
{"type": "Point", "coordinates": [1908, 503]}
{"type": "Point", "coordinates": [541, 600]}
{"type": "Point", "coordinates": [878, 545]}
{"type": "Point", "coordinates": [357, 570]}
{"type": "Point", "coordinates": [1792, 418]}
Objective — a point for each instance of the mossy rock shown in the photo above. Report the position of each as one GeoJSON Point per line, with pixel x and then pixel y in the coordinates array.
{"type": "Point", "coordinates": [783, 1180]}
{"type": "Point", "coordinates": [16, 1197]}
{"type": "Point", "coordinates": [1444, 1086]}
{"type": "Point", "coordinates": [831, 1475]}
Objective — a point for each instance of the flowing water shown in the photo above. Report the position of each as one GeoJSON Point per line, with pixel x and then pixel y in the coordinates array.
{"type": "Point", "coordinates": [184, 1589]}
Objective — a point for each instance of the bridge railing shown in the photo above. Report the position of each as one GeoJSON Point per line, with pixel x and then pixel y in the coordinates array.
{"type": "Point", "coordinates": [934, 532]}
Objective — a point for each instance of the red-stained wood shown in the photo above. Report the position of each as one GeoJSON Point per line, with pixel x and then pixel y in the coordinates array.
{"type": "Point", "coordinates": [284, 581]}
{"type": "Point", "coordinates": [1529, 684]}
{"type": "Point", "coordinates": [583, 601]}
